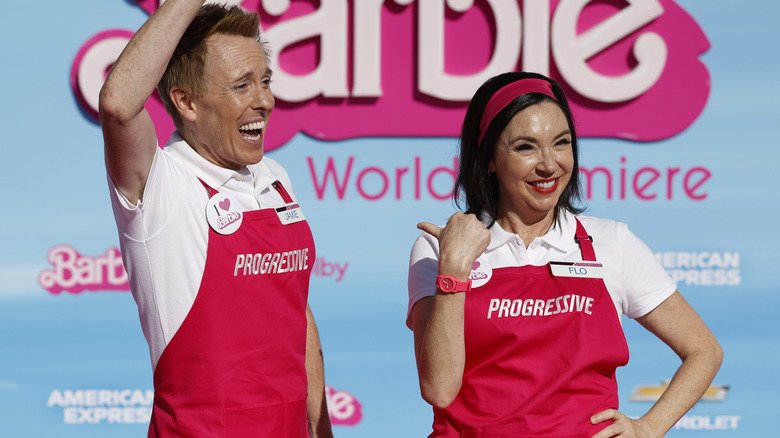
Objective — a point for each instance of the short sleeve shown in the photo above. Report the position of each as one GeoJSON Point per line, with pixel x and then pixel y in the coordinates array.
{"type": "Point", "coordinates": [151, 214]}
{"type": "Point", "coordinates": [128, 215]}
{"type": "Point", "coordinates": [423, 267]}
{"type": "Point", "coordinates": [645, 282]}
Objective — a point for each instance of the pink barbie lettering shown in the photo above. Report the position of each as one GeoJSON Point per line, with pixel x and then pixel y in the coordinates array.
{"type": "Point", "coordinates": [76, 273]}
{"type": "Point", "coordinates": [620, 63]}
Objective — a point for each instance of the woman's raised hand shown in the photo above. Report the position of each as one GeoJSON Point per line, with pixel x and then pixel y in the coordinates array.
{"type": "Point", "coordinates": [461, 241]}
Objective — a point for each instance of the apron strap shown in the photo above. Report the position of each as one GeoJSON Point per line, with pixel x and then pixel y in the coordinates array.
{"type": "Point", "coordinates": [212, 192]}
{"type": "Point", "coordinates": [282, 191]}
{"type": "Point", "coordinates": [586, 243]}
{"type": "Point", "coordinates": [276, 184]}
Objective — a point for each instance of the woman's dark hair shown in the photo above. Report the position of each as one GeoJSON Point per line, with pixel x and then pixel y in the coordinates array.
{"type": "Point", "coordinates": [479, 189]}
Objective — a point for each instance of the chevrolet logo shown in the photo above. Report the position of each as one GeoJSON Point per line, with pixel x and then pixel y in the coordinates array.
{"type": "Point", "coordinates": [651, 393]}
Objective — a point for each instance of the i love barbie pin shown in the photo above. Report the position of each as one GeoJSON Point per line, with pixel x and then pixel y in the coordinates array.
{"type": "Point", "coordinates": [223, 214]}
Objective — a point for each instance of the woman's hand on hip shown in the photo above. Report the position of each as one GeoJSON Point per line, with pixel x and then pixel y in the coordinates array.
{"type": "Point", "coordinates": [622, 426]}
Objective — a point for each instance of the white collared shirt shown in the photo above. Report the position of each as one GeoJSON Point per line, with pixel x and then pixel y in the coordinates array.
{"type": "Point", "coordinates": [635, 280]}
{"type": "Point", "coordinates": [164, 237]}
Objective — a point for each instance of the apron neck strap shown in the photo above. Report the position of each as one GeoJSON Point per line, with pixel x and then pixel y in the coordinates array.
{"type": "Point", "coordinates": [282, 192]}
{"type": "Point", "coordinates": [212, 192]}
{"type": "Point", "coordinates": [586, 243]}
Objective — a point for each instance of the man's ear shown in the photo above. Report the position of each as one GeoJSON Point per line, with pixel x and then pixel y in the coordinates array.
{"type": "Point", "coordinates": [182, 100]}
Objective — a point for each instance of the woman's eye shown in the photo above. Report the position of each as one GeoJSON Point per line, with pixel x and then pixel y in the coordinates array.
{"type": "Point", "coordinates": [523, 147]}
{"type": "Point", "coordinates": [563, 142]}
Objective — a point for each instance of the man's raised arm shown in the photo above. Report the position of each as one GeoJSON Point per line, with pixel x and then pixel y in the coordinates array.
{"type": "Point", "coordinates": [128, 130]}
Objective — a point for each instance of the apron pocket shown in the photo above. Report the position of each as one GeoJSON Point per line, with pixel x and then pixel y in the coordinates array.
{"type": "Point", "coordinates": [284, 420]}
{"type": "Point", "coordinates": [481, 434]}
{"type": "Point", "coordinates": [185, 422]}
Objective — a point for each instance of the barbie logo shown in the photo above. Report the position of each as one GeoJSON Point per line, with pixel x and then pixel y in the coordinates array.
{"type": "Point", "coordinates": [479, 276]}
{"type": "Point", "coordinates": [230, 218]}
{"type": "Point", "coordinates": [621, 63]}
{"type": "Point", "coordinates": [76, 273]}
{"type": "Point", "coordinates": [476, 275]}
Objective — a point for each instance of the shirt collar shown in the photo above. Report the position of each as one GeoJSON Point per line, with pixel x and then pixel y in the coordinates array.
{"type": "Point", "coordinates": [498, 235]}
{"type": "Point", "coordinates": [560, 237]}
{"type": "Point", "coordinates": [263, 174]}
{"type": "Point", "coordinates": [213, 175]}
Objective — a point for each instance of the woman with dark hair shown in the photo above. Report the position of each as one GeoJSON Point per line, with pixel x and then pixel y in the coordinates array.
{"type": "Point", "coordinates": [515, 305]}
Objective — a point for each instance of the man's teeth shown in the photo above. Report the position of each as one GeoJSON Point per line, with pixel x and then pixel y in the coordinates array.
{"type": "Point", "coordinates": [251, 131]}
{"type": "Point", "coordinates": [544, 185]}
{"type": "Point", "coordinates": [252, 126]}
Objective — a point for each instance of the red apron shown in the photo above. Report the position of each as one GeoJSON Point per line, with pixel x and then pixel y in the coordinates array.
{"type": "Point", "coordinates": [541, 354]}
{"type": "Point", "coordinates": [236, 366]}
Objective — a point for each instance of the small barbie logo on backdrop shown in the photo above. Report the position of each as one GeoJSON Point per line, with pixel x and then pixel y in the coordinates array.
{"type": "Point", "coordinates": [76, 273]}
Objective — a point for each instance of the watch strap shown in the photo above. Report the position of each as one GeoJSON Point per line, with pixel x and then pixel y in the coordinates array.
{"type": "Point", "coordinates": [450, 284]}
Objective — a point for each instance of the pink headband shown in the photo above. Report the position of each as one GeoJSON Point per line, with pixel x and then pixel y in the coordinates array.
{"type": "Point", "coordinates": [507, 94]}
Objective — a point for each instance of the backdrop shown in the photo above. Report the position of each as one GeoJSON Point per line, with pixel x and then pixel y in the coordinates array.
{"type": "Point", "coordinates": [675, 102]}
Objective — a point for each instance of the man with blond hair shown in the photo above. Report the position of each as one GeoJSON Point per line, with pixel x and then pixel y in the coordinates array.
{"type": "Point", "coordinates": [216, 248]}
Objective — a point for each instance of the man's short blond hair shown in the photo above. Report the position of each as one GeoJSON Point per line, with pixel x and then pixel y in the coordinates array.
{"type": "Point", "coordinates": [187, 67]}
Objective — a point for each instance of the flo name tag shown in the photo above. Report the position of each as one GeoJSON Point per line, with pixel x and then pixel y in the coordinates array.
{"type": "Point", "coordinates": [290, 214]}
{"type": "Point", "coordinates": [577, 269]}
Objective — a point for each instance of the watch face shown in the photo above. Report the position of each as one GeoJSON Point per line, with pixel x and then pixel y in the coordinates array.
{"type": "Point", "coordinates": [447, 285]}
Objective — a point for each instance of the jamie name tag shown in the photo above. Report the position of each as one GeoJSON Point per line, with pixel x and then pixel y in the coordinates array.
{"type": "Point", "coordinates": [290, 214]}
{"type": "Point", "coordinates": [577, 269]}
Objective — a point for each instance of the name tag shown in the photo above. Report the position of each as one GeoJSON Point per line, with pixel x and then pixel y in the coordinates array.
{"type": "Point", "coordinates": [290, 214]}
{"type": "Point", "coordinates": [577, 269]}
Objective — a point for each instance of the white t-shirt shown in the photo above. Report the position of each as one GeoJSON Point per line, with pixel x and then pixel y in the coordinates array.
{"type": "Point", "coordinates": [634, 278]}
{"type": "Point", "coordinates": [164, 237]}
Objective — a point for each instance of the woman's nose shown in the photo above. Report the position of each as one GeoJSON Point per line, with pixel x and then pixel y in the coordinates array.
{"type": "Point", "coordinates": [547, 163]}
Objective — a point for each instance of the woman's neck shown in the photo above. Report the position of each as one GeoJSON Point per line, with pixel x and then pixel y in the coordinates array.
{"type": "Point", "coordinates": [528, 228]}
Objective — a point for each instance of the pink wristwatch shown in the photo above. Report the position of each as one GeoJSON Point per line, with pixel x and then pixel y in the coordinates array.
{"type": "Point", "coordinates": [450, 284]}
